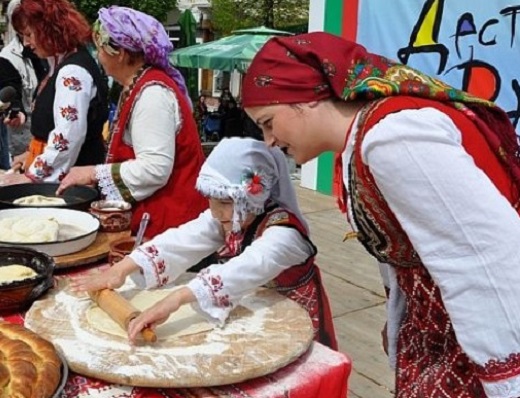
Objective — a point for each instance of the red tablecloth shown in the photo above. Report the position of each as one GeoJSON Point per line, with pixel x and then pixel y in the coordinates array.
{"type": "Point", "coordinates": [319, 373]}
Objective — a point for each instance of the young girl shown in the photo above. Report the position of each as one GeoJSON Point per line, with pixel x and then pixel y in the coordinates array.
{"type": "Point", "coordinates": [258, 230]}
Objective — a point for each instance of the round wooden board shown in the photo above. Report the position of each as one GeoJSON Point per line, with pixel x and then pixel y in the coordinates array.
{"type": "Point", "coordinates": [97, 251]}
{"type": "Point", "coordinates": [264, 333]}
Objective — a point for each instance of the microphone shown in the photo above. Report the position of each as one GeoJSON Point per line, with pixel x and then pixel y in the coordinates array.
{"type": "Point", "coordinates": [7, 94]}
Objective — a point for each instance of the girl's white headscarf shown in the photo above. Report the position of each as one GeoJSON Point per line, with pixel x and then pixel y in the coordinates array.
{"type": "Point", "coordinates": [248, 172]}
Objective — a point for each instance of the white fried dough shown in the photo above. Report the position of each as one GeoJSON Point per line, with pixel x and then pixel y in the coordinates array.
{"type": "Point", "coordinates": [29, 229]}
{"type": "Point", "coordinates": [39, 200]}
{"type": "Point", "coordinates": [15, 272]}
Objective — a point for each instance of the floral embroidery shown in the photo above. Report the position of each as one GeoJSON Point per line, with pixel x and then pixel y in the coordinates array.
{"type": "Point", "coordinates": [328, 68]}
{"type": "Point", "coordinates": [253, 182]}
{"type": "Point", "coordinates": [152, 251]}
{"type": "Point", "coordinates": [60, 143]}
{"type": "Point", "coordinates": [41, 168]}
{"type": "Point", "coordinates": [215, 284]}
{"type": "Point", "coordinates": [263, 81]}
{"type": "Point", "coordinates": [321, 88]}
{"type": "Point", "coordinates": [302, 42]}
{"type": "Point", "coordinates": [62, 175]}
{"type": "Point", "coordinates": [72, 83]}
{"type": "Point", "coordinates": [161, 266]}
{"type": "Point", "coordinates": [290, 54]}
{"type": "Point", "coordinates": [69, 113]}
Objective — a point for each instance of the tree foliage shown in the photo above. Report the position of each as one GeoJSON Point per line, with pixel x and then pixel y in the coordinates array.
{"type": "Point", "coordinates": [157, 8]}
{"type": "Point", "coordinates": [229, 15]}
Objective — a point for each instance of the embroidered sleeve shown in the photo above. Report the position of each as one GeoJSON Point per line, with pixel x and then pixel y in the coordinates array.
{"type": "Point", "coordinates": [111, 184]}
{"type": "Point", "coordinates": [171, 253]}
{"type": "Point", "coordinates": [152, 132]}
{"type": "Point", "coordinates": [74, 91]}
{"type": "Point", "coordinates": [220, 287]}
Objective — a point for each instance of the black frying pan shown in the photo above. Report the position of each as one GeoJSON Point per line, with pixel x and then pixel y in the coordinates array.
{"type": "Point", "coordinates": [76, 198]}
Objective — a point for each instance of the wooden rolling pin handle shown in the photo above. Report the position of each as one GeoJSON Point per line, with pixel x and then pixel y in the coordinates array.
{"type": "Point", "coordinates": [148, 334]}
{"type": "Point", "coordinates": [120, 310]}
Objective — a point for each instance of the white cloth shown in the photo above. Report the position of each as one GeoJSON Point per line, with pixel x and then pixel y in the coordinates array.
{"type": "Point", "coordinates": [168, 255]}
{"type": "Point", "coordinates": [464, 230]}
{"type": "Point", "coordinates": [228, 173]}
{"type": "Point", "coordinates": [151, 131]}
{"type": "Point", "coordinates": [68, 126]}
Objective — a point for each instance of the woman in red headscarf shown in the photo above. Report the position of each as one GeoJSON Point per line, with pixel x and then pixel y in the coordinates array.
{"type": "Point", "coordinates": [429, 178]}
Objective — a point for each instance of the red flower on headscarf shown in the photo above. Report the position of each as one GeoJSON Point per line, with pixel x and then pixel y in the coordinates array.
{"type": "Point", "coordinates": [253, 182]}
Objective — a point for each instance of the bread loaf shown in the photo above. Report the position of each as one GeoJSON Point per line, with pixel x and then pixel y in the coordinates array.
{"type": "Point", "coordinates": [29, 364]}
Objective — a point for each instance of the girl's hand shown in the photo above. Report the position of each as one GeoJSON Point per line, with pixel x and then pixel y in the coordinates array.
{"type": "Point", "coordinates": [112, 278]}
{"type": "Point", "coordinates": [159, 312]}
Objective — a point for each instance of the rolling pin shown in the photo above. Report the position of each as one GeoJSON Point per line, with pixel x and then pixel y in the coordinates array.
{"type": "Point", "coordinates": [120, 310]}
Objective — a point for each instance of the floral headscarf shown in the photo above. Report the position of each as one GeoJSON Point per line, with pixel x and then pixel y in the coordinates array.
{"type": "Point", "coordinates": [248, 172]}
{"type": "Point", "coordinates": [136, 31]}
{"type": "Point", "coordinates": [319, 65]}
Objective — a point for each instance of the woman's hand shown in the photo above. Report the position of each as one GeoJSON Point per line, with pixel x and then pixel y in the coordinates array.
{"type": "Point", "coordinates": [83, 175]}
{"type": "Point", "coordinates": [17, 121]}
{"type": "Point", "coordinates": [112, 278]}
{"type": "Point", "coordinates": [159, 312]}
{"type": "Point", "coordinates": [20, 159]}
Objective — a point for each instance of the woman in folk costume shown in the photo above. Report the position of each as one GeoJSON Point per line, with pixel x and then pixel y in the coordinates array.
{"type": "Point", "coordinates": [431, 185]}
{"type": "Point", "coordinates": [258, 230]}
{"type": "Point", "coordinates": [70, 106]}
{"type": "Point", "coordinates": [154, 154]}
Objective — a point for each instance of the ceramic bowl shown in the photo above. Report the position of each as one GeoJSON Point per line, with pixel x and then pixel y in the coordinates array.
{"type": "Point", "coordinates": [19, 295]}
{"type": "Point", "coordinates": [113, 215]}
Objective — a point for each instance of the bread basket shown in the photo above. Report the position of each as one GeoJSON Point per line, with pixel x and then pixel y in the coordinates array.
{"type": "Point", "coordinates": [19, 295]}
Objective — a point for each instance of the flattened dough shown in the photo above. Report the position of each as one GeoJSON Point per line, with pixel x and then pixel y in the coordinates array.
{"type": "Point", "coordinates": [29, 229]}
{"type": "Point", "coordinates": [183, 322]}
{"type": "Point", "coordinates": [39, 200]}
{"type": "Point", "coordinates": [16, 272]}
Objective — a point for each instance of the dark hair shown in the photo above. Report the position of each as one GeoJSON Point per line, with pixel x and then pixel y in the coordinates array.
{"type": "Point", "coordinates": [59, 26]}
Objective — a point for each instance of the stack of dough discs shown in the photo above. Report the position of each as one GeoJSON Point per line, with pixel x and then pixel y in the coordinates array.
{"type": "Point", "coordinates": [29, 229]}
{"type": "Point", "coordinates": [15, 272]}
{"type": "Point", "coordinates": [39, 200]}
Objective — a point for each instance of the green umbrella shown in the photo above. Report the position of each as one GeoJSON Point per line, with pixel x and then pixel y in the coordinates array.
{"type": "Point", "coordinates": [229, 53]}
{"type": "Point", "coordinates": [188, 33]}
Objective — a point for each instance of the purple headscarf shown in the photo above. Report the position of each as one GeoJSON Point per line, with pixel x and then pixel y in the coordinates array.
{"type": "Point", "coordinates": [136, 31]}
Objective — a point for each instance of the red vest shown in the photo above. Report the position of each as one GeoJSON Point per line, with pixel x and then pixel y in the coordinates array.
{"type": "Point", "coordinates": [178, 201]}
{"type": "Point", "coordinates": [430, 361]}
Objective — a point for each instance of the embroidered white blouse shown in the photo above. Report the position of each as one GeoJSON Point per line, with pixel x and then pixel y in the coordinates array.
{"type": "Point", "coordinates": [74, 90]}
{"type": "Point", "coordinates": [466, 233]}
{"type": "Point", "coordinates": [151, 131]}
{"type": "Point", "coordinates": [167, 256]}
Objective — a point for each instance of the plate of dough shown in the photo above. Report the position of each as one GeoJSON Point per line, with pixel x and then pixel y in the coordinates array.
{"type": "Point", "coordinates": [53, 231]}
